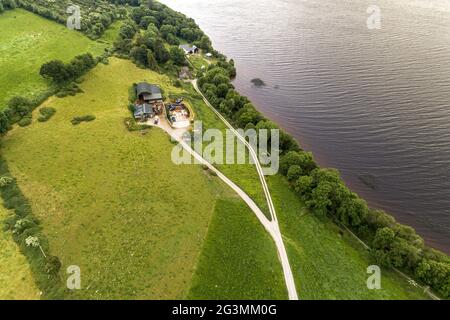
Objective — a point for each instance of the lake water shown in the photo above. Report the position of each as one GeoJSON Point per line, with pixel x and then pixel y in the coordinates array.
{"type": "Point", "coordinates": [373, 103]}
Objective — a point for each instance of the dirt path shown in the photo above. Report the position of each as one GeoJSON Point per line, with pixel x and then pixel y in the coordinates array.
{"type": "Point", "coordinates": [270, 225]}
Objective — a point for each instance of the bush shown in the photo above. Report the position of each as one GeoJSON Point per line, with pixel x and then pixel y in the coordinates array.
{"type": "Point", "coordinates": [24, 225]}
{"type": "Point", "coordinates": [86, 118]}
{"type": "Point", "coordinates": [302, 159]}
{"type": "Point", "coordinates": [46, 113]}
{"type": "Point", "coordinates": [294, 173]}
{"type": "Point", "coordinates": [53, 266]}
{"type": "Point", "coordinates": [435, 274]}
{"type": "Point", "coordinates": [25, 121]}
{"type": "Point", "coordinates": [69, 90]}
{"type": "Point", "coordinates": [5, 180]}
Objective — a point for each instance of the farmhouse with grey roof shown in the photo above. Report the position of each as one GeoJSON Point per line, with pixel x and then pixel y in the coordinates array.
{"type": "Point", "coordinates": [148, 92]}
{"type": "Point", "coordinates": [143, 111]}
{"type": "Point", "coordinates": [189, 49]}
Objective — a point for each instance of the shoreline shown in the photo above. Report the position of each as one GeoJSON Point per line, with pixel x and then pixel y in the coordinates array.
{"type": "Point", "coordinates": [402, 205]}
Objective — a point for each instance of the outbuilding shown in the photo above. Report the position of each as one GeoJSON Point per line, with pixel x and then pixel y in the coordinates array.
{"type": "Point", "coordinates": [148, 92]}
{"type": "Point", "coordinates": [189, 49]}
{"type": "Point", "coordinates": [143, 112]}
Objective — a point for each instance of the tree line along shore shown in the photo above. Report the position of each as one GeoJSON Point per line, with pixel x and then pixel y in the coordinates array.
{"type": "Point", "coordinates": [149, 36]}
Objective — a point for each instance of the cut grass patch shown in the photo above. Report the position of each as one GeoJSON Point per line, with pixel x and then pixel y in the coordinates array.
{"type": "Point", "coordinates": [239, 259]}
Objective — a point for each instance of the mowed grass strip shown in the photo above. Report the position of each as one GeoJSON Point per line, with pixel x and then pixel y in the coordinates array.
{"type": "Point", "coordinates": [239, 259]}
{"type": "Point", "coordinates": [26, 42]}
{"type": "Point", "coordinates": [16, 279]}
{"type": "Point", "coordinates": [110, 201]}
{"type": "Point", "coordinates": [326, 264]}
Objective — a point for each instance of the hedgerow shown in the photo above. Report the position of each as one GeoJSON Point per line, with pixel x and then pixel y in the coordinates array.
{"type": "Point", "coordinates": [28, 235]}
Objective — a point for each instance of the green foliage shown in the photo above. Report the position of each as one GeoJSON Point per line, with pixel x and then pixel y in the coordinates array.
{"type": "Point", "coordinates": [132, 94]}
{"type": "Point", "coordinates": [436, 274]}
{"type": "Point", "coordinates": [79, 119]}
{"type": "Point", "coordinates": [302, 159]}
{"type": "Point", "coordinates": [97, 15]}
{"type": "Point", "coordinates": [53, 265]}
{"type": "Point", "coordinates": [51, 42]}
{"type": "Point", "coordinates": [61, 73]}
{"type": "Point", "coordinates": [160, 52]}
{"type": "Point", "coordinates": [177, 84]}
{"type": "Point", "coordinates": [177, 55]}
{"type": "Point", "coordinates": [24, 225]}
{"type": "Point", "coordinates": [46, 113]}
{"type": "Point", "coordinates": [152, 64]}
{"type": "Point", "coordinates": [25, 121]}
{"type": "Point", "coordinates": [70, 89]}
{"type": "Point", "coordinates": [4, 123]}
{"type": "Point", "coordinates": [55, 70]}
{"type": "Point", "coordinates": [18, 106]}
{"type": "Point", "coordinates": [139, 55]}
{"type": "Point", "coordinates": [294, 172]}
{"type": "Point", "coordinates": [327, 262]}
{"type": "Point", "coordinates": [5, 180]}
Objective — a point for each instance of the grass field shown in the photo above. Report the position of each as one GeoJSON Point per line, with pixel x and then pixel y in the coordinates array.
{"type": "Point", "coordinates": [16, 280]}
{"type": "Point", "coordinates": [113, 203]}
{"type": "Point", "coordinates": [325, 264]}
{"type": "Point", "coordinates": [238, 260]}
{"type": "Point", "coordinates": [244, 175]}
{"type": "Point", "coordinates": [110, 201]}
{"type": "Point", "coordinates": [26, 42]}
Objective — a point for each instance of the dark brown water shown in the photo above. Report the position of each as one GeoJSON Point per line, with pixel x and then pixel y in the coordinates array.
{"type": "Point", "coordinates": [373, 103]}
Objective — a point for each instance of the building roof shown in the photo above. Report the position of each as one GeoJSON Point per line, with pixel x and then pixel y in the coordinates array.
{"type": "Point", "coordinates": [185, 73]}
{"type": "Point", "coordinates": [148, 91]}
{"type": "Point", "coordinates": [188, 48]}
{"type": "Point", "coordinates": [143, 109]}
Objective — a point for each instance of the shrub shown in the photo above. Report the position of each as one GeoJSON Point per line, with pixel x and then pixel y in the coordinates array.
{"type": "Point", "coordinates": [25, 226]}
{"type": "Point", "coordinates": [5, 180]}
{"type": "Point", "coordinates": [86, 118]}
{"type": "Point", "coordinates": [25, 121]}
{"type": "Point", "coordinates": [435, 274]}
{"type": "Point", "coordinates": [69, 90]}
{"type": "Point", "coordinates": [294, 173]}
{"type": "Point", "coordinates": [46, 113]}
{"type": "Point", "coordinates": [53, 266]}
{"type": "Point", "coordinates": [302, 159]}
